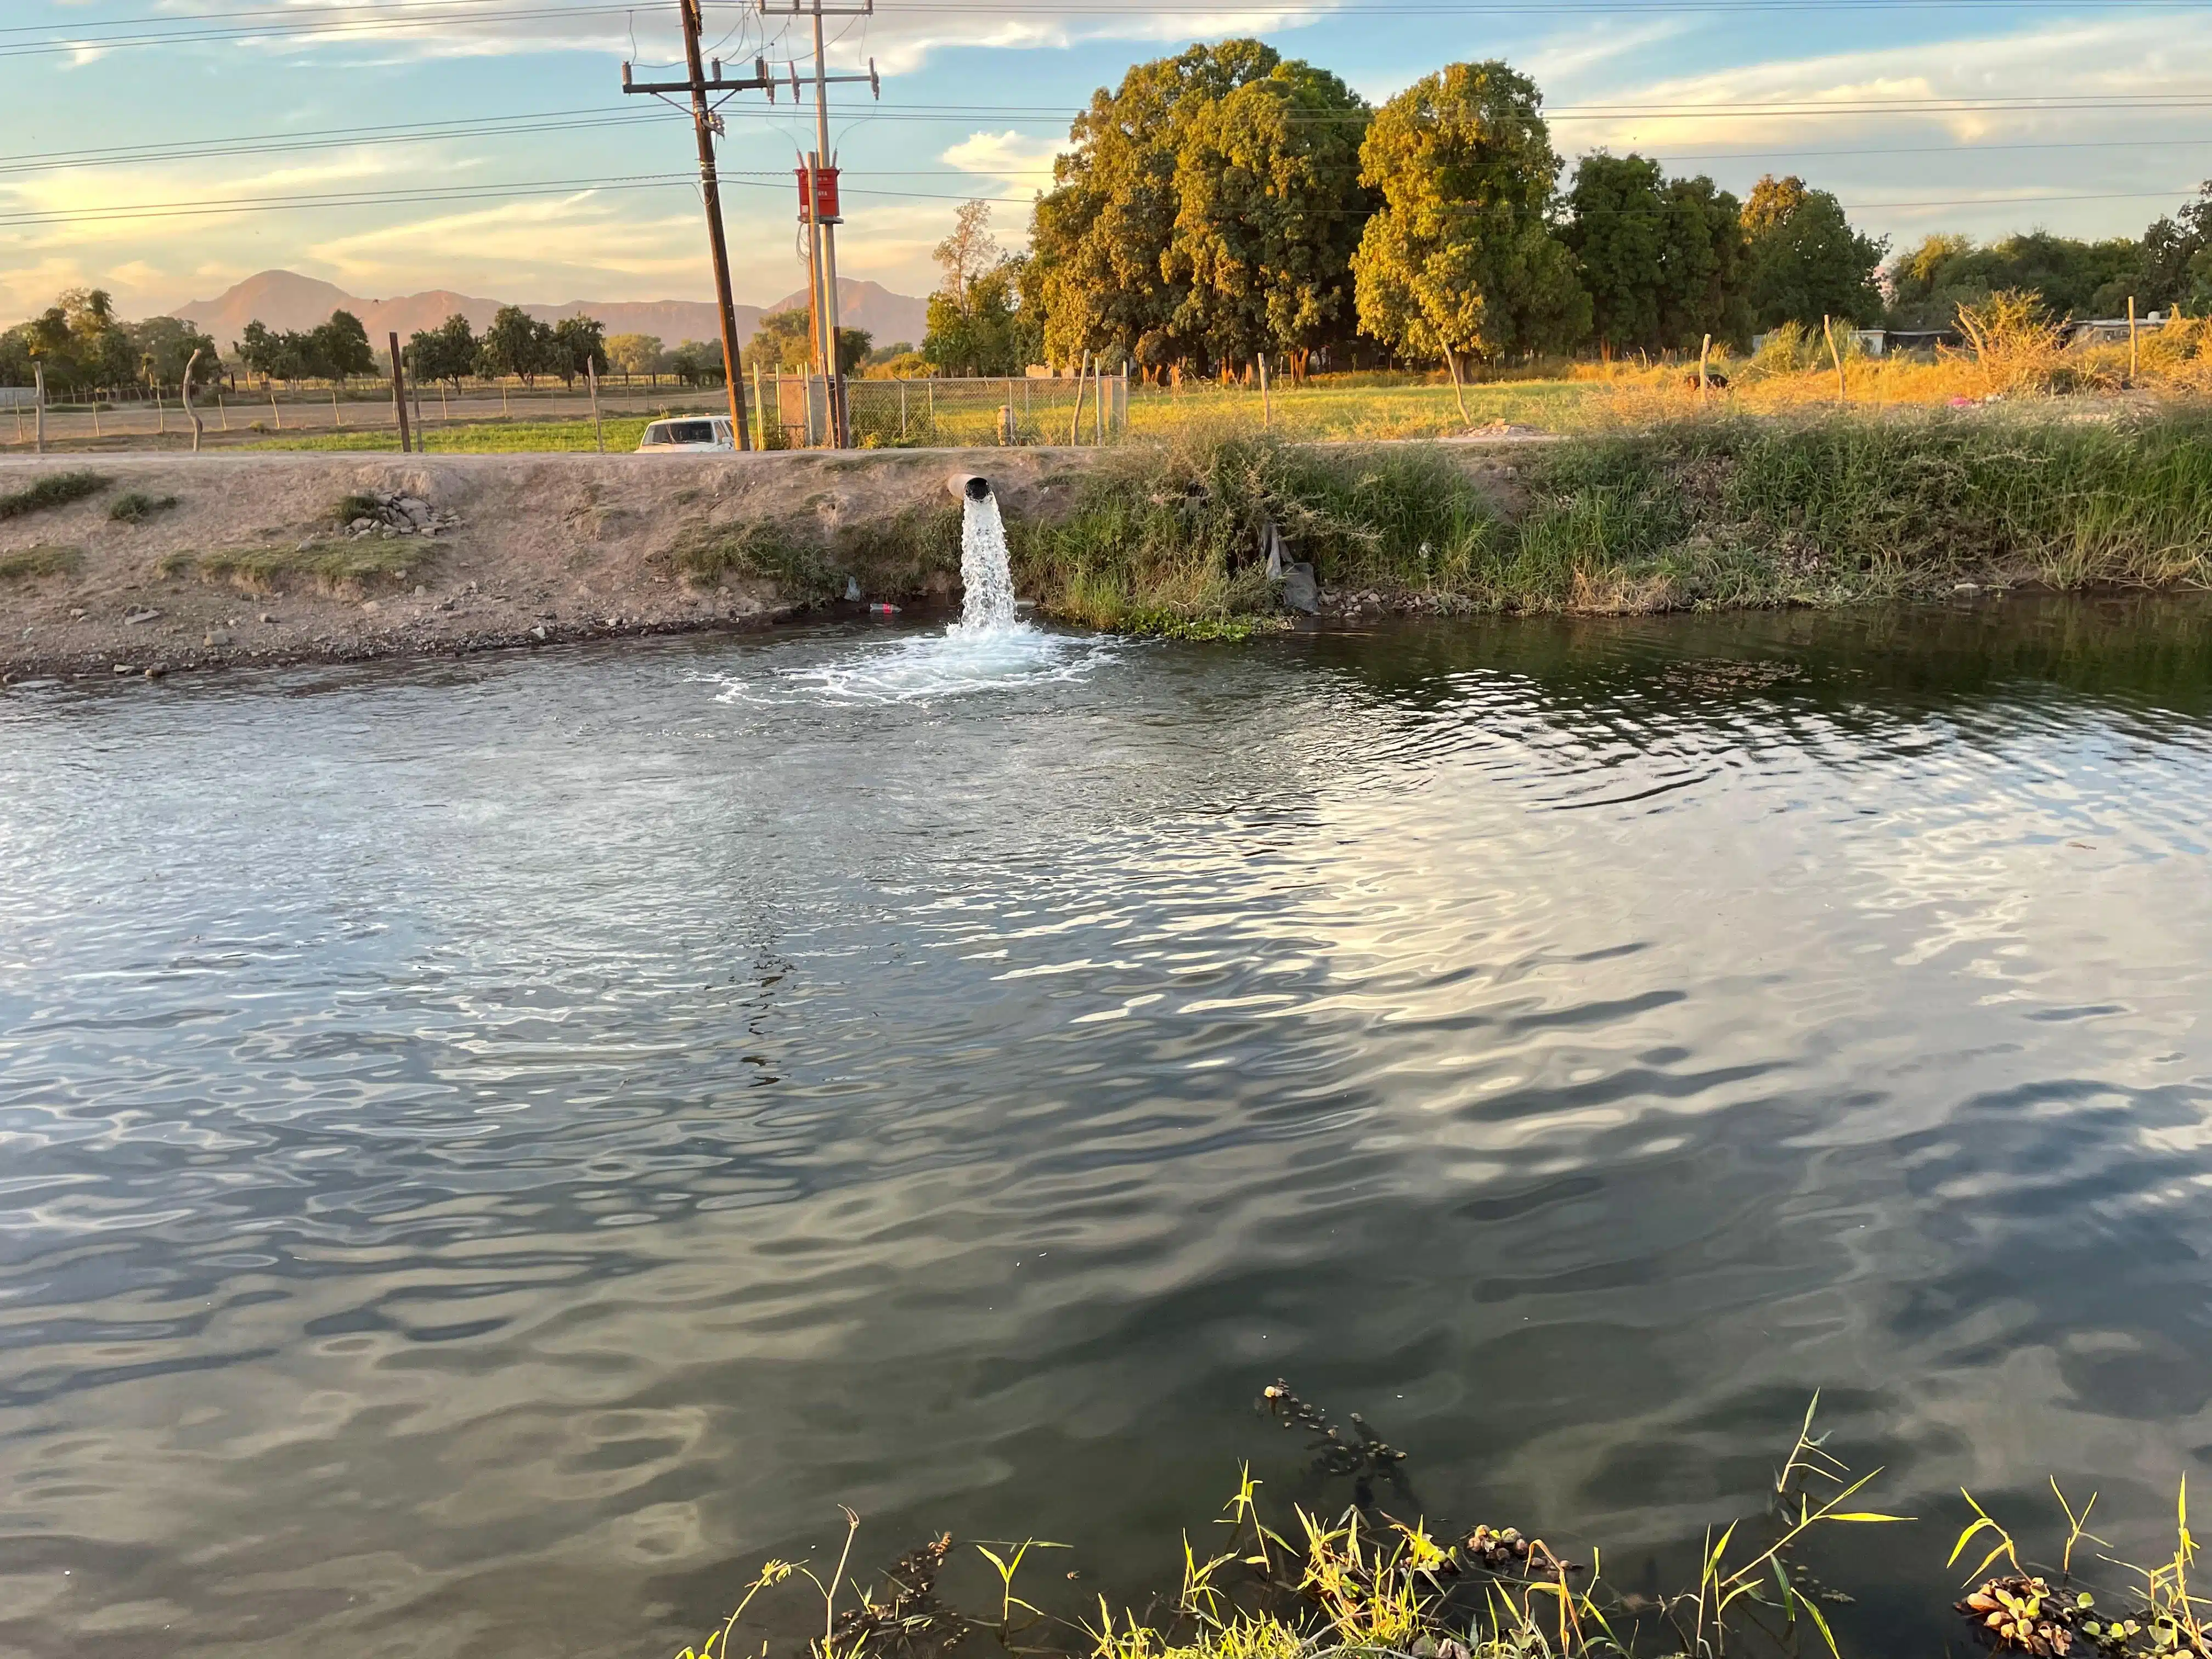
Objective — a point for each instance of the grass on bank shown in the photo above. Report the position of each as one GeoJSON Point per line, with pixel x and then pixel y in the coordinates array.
{"type": "Point", "coordinates": [30, 562]}
{"type": "Point", "coordinates": [136, 506]}
{"type": "Point", "coordinates": [342, 567]}
{"type": "Point", "coordinates": [1713, 512]}
{"type": "Point", "coordinates": [51, 490]}
{"type": "Point", "coordinates": [903, 556]}
{"type": "Point", "coordinates": [1382, 1577]}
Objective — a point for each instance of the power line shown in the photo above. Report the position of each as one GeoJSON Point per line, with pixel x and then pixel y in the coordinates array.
{"type": "Point", "coordinates": [777, 181]}
{"type": "Point", "coordinates": [328, 138]}
{"type": "Point", "coordinates": [331, 22]}
{"type": "Point", "coordinates": [558, 121]}
{"type": "Point", "coordinates": [564, 120]}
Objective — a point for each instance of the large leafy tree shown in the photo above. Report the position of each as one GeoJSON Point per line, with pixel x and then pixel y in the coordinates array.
{"type": "Point", "coordinates": [329, 350]}
{"type": "Point", "coordinates": [635, 354]}
{"type": "Point", "coordinates": [274, 354]}
{"type": "Point", "coordinates": [1269, 206]}
{"type": "Point", "coordinates": [1805, 260]}
{"type": "Point", "coordinates": [1460, 260]}
{"type": "Point", "coordinates": [80, 343]}
{"type": "Point", "coordinates": [1617, 229]}
{"type": "Point", "coordinates": [1928, 282]}
{"type": "Point", "coordinates": [977, 321]}
{"type": "Point", "coordinates": [695, 362]}
{"type": "Point", "coordinates": [165, 345]}
{"type": "Point", "coordinates": [340, 347]}
{"type": "Point", "coordinates": [578, 344]}
{"type": "Point", "coordinates": [447, 352]}
{"type": "Point", "coordinates": [2176, 267]}
{"type": "Point", "coordinates": [516, 343]}
{"type": "Point", "coordinates": [1101, 236]}
{"type": "Point", "coordinates": [1706, 286]}
{"type": "Point", "coordinates": [784, 340]}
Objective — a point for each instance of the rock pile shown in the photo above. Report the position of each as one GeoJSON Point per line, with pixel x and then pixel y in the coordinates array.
{"type": "Point", "coordinates": [398, 514]}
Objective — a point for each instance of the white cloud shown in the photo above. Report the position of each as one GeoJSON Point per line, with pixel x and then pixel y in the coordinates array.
{"type": "Point", "coordinates": [1021, 162]}
{"type": "Point", "coordinates": [2124, 57]}
{"type": "Point", "coordinates": [1561, 57]}
{"type": "Point", "coordinates": [1903, 171]}
{"type": "Point", "coordinates": [899, 41]}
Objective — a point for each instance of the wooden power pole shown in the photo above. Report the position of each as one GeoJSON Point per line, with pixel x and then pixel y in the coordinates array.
{"type": "Point", "coordinates": [819, 209]}
{"type": "Point", "coordinates": [705, 124]}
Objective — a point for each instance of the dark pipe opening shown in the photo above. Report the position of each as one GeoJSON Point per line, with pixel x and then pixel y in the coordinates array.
{"type": "Point", "coordinates": [979, 489]}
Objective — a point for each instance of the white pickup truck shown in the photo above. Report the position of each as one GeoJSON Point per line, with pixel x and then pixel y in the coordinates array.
{"type": "Point", "coordinates": [701, 433]}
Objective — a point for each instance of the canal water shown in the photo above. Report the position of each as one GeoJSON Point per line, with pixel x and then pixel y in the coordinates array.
{"type": "Point", "coordinates": [490, 1151]}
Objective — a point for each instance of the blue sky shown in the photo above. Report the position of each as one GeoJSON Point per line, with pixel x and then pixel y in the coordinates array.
{"type": "Point", "coordinates": [1986, 118]}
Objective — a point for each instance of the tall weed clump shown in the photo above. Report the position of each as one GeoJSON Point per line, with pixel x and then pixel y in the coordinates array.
{"type": "Point", "coordinates": [2016, 344]}
{"type": "Point", "coordinates": [1175, 530]}
{"type": "Point", "coordinates": [1709, 512]}
{"type": "Point", "coordinates": [1737, 511]}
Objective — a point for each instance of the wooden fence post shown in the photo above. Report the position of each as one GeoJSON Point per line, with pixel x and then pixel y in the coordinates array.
{"type": "Point", "coordinates": [398, 397]}
{"type": "Point", "coordinates": [38, 374]}
{"type": "Point", "coordinates": [2131, 339]}
{"type": "Point", "coordinates": [592, 379]}
{"type": "Point", "coordinates": [184, 391]}
{"type": "Point", "coordinates": [1829, 328]}
{"type": "Point", "coordinates": [1082, 379]}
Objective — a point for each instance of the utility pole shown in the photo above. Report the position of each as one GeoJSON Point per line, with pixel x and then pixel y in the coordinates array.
{"type": "Point", "coordinates": [705, 124]}
{"type": "Point", "coordinates": [819, 201]}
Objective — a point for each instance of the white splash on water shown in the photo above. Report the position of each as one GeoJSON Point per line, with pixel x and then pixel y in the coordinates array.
{"type": "Point", "coordinates": [987, 581]}
{"type": "Point", "coordinates": [990, 648]}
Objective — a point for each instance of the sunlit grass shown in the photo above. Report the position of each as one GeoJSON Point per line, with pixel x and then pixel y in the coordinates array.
{"type": "Point", "coordinates": [477, 438]}
{"type": "Point", "coordinates": [335, 566]}
{"type": "Point", "coordinates": [28, 563]}
{"type": "Point", "coordinates": [1699, 513]}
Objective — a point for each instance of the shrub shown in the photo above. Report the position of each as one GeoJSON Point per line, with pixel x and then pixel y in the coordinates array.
{"type": "Point", "coordinates": [53, 490]}
{"type": "Point", "coordinates": [32, 561]}
{"type": "Point", "coordinates": [136, 506]}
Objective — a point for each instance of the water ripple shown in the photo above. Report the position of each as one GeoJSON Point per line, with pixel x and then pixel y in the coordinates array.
{"type": "Point", "coordinates": [485, 1156]}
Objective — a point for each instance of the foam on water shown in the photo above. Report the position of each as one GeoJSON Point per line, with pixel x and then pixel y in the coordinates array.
{"type": "Point", "coordinates": [990, 648]}
{"type": "Point", "coordinates": [987, 581]}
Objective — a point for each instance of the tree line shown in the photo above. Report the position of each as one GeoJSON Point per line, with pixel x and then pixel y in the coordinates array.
{"type": "Point", "coordinates": [82, 346]}
{"type": "Point", "coordinates": [1226, 201]}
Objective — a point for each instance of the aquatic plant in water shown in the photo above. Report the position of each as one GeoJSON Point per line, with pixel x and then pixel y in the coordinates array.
{"type": "Point", "coordinates": [1370, 1582]}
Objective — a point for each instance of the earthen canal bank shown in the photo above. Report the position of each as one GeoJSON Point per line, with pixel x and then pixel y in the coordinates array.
{"type": "Point", "coordinates": [274, 558]}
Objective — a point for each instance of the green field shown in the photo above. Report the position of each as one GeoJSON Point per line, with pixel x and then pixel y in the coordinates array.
{"type": "Point", "coordinates": [481, 438]}
{"type": "Point", "coordinates": [1376, 406]}
{"type": "Point", "coordinates": [1369, 407]}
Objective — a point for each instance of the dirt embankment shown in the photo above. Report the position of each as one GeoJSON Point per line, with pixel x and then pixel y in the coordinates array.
{"type": "Point", "coordinates": [176, 562]}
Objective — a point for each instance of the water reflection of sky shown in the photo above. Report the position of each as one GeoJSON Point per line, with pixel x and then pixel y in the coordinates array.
{"type": "Point", "coordinates": [490, 1151]}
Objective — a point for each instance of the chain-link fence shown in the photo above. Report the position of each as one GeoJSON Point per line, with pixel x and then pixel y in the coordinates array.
{"type": "Point", "coordinates": [931, 413]}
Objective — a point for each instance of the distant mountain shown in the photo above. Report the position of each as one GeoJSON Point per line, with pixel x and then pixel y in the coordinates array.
{"type": "Point", "coordinates": [286, 299]}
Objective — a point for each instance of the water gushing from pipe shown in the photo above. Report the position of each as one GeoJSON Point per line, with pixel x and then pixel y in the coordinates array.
{"type": "Point", "coordinates": [990, 648]}
{"type": "Point", "coordinates": [986, 604]}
